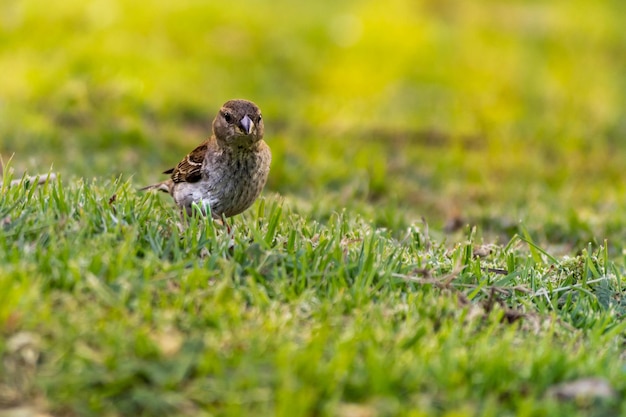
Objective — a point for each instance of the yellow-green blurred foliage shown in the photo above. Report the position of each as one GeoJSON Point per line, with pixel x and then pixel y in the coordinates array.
{"type": "Point", "coordinates": [442, 107]}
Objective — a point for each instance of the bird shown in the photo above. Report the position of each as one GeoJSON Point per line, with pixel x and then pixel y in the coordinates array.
{"type": "Point", "coordinates": [225, 174]}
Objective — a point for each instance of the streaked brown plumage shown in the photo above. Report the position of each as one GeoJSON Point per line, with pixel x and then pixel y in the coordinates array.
{"type": "Point", "coordinates": [228, 171]}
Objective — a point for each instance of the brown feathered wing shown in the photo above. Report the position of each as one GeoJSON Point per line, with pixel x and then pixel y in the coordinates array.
{"type": "Point", "coordinates": [190, 168]}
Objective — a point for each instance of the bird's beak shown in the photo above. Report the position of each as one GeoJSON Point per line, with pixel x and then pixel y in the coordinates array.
{"type": "Point", "coordinates": [246, 124]}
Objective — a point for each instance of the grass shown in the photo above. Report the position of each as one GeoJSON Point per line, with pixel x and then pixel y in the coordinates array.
{"type": "Point", "coordinates": [297, 318]}
{"type": "Point", "coordinates": [442, 233]}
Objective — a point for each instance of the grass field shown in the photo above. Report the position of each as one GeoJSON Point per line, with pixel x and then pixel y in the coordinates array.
{"type": "Point", "coordinates": [443, 232]}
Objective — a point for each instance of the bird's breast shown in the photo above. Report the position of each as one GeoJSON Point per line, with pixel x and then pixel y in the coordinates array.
{"type": "Point", "coordinates": [231, 182]}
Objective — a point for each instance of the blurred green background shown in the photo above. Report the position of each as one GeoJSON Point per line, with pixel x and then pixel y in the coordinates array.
{"type": "Point", "coordinates": [482, 112]}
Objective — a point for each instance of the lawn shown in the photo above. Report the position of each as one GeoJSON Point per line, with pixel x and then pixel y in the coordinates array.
{"type": "Point", "coordinates": [443, 232]}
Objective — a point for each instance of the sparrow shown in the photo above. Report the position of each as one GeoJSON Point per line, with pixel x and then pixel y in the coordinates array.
{"type": "Point", "coordinates": [225, 174]}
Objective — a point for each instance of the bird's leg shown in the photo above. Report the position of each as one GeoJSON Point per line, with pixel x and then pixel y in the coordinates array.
{"type": "Point", "coordinates": [228, 228]}
{"type": "Point", "coordinates": [231, 235]}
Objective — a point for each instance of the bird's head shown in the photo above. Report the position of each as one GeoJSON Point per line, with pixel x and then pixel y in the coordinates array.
{"type": "Point", "coordinates": [238, 122]}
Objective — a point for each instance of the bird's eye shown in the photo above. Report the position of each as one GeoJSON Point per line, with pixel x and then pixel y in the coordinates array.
{"type": "Point", "coordinates": [228, 117]}
{"type": "Point", "coordinates": [259, 119]}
